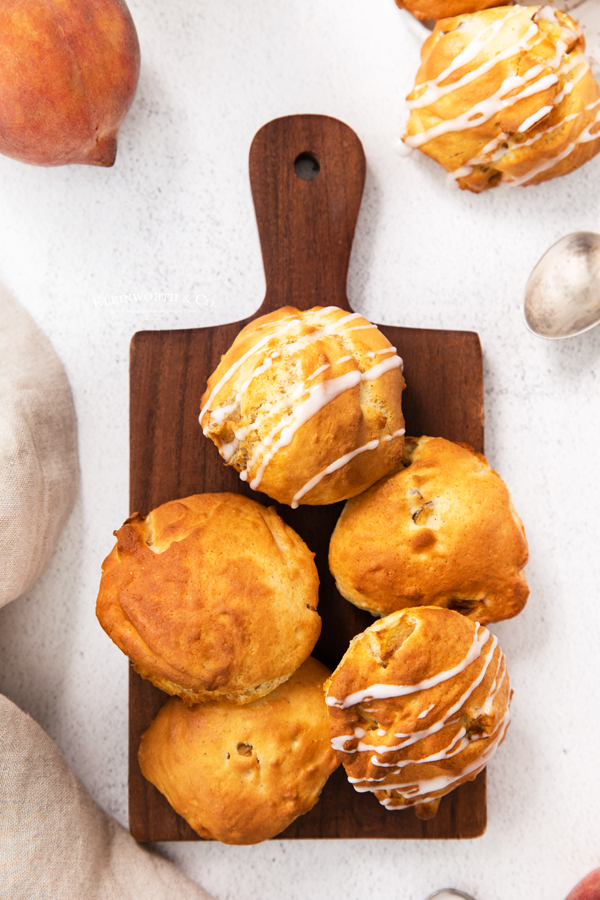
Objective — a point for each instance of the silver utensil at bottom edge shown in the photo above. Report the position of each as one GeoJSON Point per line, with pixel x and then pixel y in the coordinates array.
{"type": "Point", "coordinates": [449, 894]}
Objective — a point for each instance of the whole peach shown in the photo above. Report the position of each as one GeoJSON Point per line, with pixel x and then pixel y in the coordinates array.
{"type": "Point", "coordinates": [588, 888]}
{"type": "Point", "coordinates": [68, 73]}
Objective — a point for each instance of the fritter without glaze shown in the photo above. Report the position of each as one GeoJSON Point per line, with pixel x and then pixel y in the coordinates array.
{"type": "Point", "coordinates": [441, 9]}
{"type": "Point", "coordinates": [418, 705]}
{"type": "Point", "coordinates": [211, 597]}
{"type": "Point", "coordinates": [441, 532]}
{"type": "Point", "coordinates": [307, 405]}
{"type": "Point", "coordinates": [505, 96]}
{"type": "Point", "coordinates": [241, 774]}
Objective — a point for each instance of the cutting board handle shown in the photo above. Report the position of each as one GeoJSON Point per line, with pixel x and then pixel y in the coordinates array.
{"type": "Point", "coordinates": [307, 175]}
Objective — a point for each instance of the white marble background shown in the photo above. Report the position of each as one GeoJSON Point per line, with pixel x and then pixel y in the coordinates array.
{"type": "Point", "coordinates": [175, 216]}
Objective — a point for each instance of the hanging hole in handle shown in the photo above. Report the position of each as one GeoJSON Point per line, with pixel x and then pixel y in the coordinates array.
{"type": "Point", "coordinates": [306, 166]}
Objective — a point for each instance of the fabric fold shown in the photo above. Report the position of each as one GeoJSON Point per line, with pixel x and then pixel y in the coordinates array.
{"type": "Point", "coordinates": [55, 841]}
{"type": "Point", "coordinates": [38, 449]}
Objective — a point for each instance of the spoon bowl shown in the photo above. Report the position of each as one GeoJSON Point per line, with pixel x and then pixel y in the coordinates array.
{"type": "Point", "coordinates": [562, 295]}
{"type": "Point", "coordinates": [449, 894]}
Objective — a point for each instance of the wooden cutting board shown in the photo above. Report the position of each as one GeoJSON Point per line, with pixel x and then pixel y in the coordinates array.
{"type": "Point", "coordinates": [306, 229]}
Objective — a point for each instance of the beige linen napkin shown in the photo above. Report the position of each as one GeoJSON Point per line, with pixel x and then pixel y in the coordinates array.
{"type": "Point", "coordinates": [38, 449]}
{"type": "Point", "coordinates": [55, 842]}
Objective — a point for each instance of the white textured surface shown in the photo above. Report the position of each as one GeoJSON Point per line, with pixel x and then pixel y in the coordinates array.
{"type": "Point", "coordinates": [175, 216]}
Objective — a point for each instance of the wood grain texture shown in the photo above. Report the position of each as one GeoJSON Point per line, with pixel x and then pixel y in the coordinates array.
{"type": "Point", "coordinates": [306, 227]}
{"type": "Point", "coordinates": [306, 230]}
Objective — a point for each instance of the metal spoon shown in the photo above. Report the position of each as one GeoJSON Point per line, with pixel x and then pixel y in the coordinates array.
{"type": "Point", "coordinates": [449, 894]}
{"type": "Point", "coordinates": [562, 296]}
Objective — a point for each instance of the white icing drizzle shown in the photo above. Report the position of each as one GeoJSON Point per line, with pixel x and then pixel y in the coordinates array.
{"type": "Point", "coordinates": [535, 117]}
{"type": "Point", "coordinates": [227, 450]}
{"type": "Point", "coordinates": [561, 46]}
{"type": "Point", "coordinates": [426, 788]}
{"type": "Point", "coordinates": [456, 745]}
{"type": "Point", "coordinates": [270, 324]}
{"type": "Point", "coordinates": [547, 13]}
{"type": "Point", "coordinates": [339, 742]}
{"type": "Point", "coordinates": [481, 112]}
{"type": "Point", "coordinates": [342, 461]}
{"type": "Point", "coordinates": [540, 134]}
{"type": "Point", "coordinates": [373, 353]}
{"type": "Point", "coordinates": [411, 790]}
{"type": "Point", "coordinates": [385, 691]}
{"type": "Point", "coordinates": [319, 396]}
{"type": "Point", "coordinates": [321, 369]}
{"type": "Point", "coordinates": [416, 736]}
{"type": "Point", "coordinates": [325, 310]}
{"type": "Point", "coordinates": [381, 368]}
{"type": "Point", "coordinates": [258, 371]}
{"type": "Point", "coordinates": [316, 395]}
{"type": "Point", "coordinates": [549, 163]}
{"type": "Point", "coordinates": [484, 110]}
{"type": "Point", "coordinates": [485, 159]}
{"type": "Point", "coordinates": [333, 326]}
{"type": "Point", "coordinates": [402, 149]}
{"type": "Point", "coordinates": [220, 414]}
{"type": "Point", "coordinates": [434, 91]}
{"type": "Point", "coordinates": [425, 712]}
{"type": "Point", "coordinates": [295, 323]}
